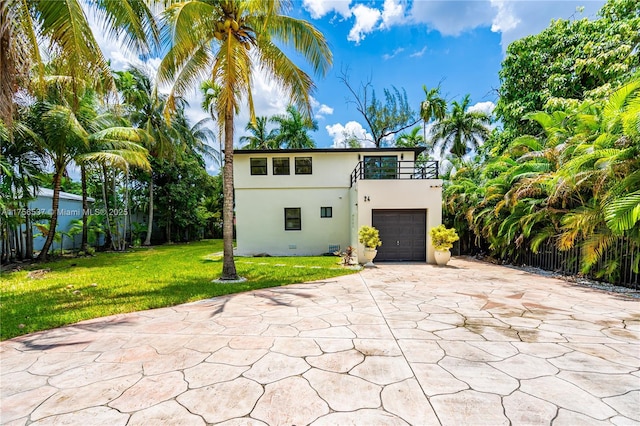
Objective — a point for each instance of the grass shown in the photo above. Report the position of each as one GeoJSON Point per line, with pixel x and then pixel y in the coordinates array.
{"type": "Point", "coordinates": [78, 289]}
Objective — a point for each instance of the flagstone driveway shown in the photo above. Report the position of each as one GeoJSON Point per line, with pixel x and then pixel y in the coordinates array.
{"type": "Point", "coordinates": [471, 343]}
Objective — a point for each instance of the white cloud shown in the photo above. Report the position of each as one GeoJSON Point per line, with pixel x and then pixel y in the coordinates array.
{"type": "Point", "coordinates": [513, 19]}
{"type": "Point", "coordinates": [321, 110]}
{"type": "Point", "coordinates": [352, 130]}
{"type": "Point", "coordinates": [504, 19]}
{"type": "Point", "coordinates": [325, 110]}
{"type": "Point", "coordinates": [319, 8]}
{"type": "Point", "coordinates": [451, 18]}
{"type": "Point", "coordinates": [486, 107]}
{"type": "Point", "coordinates": [395, 53]}
{"type": "Point", "coordinates": [392, 13]}
{"type": "Point", "coordinates": [419, 53]}
{"type": "Point", "coordinates": [517, 19]}
{"type": "Point", "coordinates": [366, 20]}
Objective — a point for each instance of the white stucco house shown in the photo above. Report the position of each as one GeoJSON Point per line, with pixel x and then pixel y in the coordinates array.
{"type": "Point", "coordinates": [313, 201]}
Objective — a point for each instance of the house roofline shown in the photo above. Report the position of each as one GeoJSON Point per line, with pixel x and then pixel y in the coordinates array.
{"type": "Point", "coordinates": [47, 192]}
{"type": "Point", "coordinates": [417, 150]}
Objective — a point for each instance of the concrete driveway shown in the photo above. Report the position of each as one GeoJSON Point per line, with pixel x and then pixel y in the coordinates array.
{"type": "Point", "coordinates": [471, 343]}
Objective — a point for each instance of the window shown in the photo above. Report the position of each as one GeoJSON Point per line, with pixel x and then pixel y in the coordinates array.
{"type": "Point", "coordinates": [303, 165]}
{"type": "Point", "coordinates": [258, 166]}
{"type": "Point", "coordinates": [292, 219]}
{"type": "Point", "coordinates": [380, 167]}
{"type": "Point", "coordinates": [326, 211]}
{"type": "Point", "coordinates": [281, 166]}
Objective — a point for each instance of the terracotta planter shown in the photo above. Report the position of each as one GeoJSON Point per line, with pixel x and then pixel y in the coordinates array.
{"type": "Point", "coordinates": [369, 255]}
{"type": "Point", "coordinates": [442, 257]}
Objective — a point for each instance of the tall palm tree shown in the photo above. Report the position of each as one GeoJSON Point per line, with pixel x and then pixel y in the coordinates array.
{"type": "Point", "coordinates": [434, 107]}
{"type": "Point", "coordinates": [260, 138]}
{"type": "Point", "coordinates": [229, 40]}
{"type": "Point", "coordinates": [144, 105]}
{"type": "Point", "coordinates": [292, 129]}
{"type": "Point", "coordinates": [461, 130]}
{"type": "Point", "coordinates": [210, 92]}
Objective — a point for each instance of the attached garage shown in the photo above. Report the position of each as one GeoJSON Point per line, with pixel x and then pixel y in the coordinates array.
{"type": "Point", "coordinates": [403, 234]}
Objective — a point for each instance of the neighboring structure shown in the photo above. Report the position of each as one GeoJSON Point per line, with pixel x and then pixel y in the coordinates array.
{"type": "Point", "coordinates": [69, 209]}
{"type": "Point", "coordinates": [313, 201]}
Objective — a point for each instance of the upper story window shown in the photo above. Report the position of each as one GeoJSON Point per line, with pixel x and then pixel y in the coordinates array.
{"type": "Point", "coordinates": [258, 166]}
{"type": "Point", "coordinates": [381, 167]}
{"type": "Point", "coordinates": [281, 166]}
{"type": "Point", "coordinates": [303, 165]}
{"type": "Point", "coordinates": [326, 211]}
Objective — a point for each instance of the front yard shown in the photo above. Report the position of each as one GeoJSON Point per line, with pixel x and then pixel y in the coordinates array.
{"type": "Point", "coordinates": [72, 290]}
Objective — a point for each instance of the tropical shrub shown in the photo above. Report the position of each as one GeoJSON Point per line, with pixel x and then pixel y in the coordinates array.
{"type": "Point", "coordinates": [369, 237]}
{"type": "Point", "coordinates": [443, 238]}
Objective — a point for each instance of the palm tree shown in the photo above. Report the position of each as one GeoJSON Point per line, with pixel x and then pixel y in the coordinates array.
{"type": "Point", "coordinates": [461, 130]}
{"type": "Point", "coordinates": [21, 164]}
{"type": "Point", "coordinates": [411, 139]}
{"type": "Point", "coordinates": [70, 134]}
{"type": "Point", "coordinates": [229, 40]}
{"type": "Point", "coordinates": [260, 138]}
{"type": "Point", "coordinates": [210, 92]}
{"type": "Point", "coordinates": [24, 24]}
{"type": "Point", "coordinates": [292, 129]}
{"type": "Point", "coordinates": [144, 108]}
{"type": "Point", "coordinates": [433, 107]}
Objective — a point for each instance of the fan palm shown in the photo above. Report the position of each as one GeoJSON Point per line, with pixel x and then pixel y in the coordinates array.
{"type": "Point", "coordinates": [461, 130]}
{"type": "Point", "coordinates": [229, 40]}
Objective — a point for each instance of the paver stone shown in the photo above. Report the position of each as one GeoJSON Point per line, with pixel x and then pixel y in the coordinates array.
{"type": "Point", "coordinates": [222, 401]}
{"type": "Point", "coordinates": [280, 404]}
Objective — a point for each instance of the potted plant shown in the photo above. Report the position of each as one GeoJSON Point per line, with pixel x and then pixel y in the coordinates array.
{"type": "Point", "coordinates": [442, 239]}
{"type": "Point", "coordinates": [370, 239]}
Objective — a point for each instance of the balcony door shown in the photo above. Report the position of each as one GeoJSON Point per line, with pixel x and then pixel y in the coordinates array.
{"type": "Point", "coordinates": [381, 167]}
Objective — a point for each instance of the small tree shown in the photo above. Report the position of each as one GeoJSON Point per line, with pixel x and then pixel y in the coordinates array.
{"type": "Point", "coordinates": [386, 118]}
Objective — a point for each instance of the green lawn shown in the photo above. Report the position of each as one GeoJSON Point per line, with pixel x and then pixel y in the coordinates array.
{"type": "Point", "coordinates": [110, 283]}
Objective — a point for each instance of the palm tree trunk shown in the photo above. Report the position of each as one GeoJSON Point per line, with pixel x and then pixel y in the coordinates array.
{"type": "Point", "coordinates": [85, 210]}
{"type": "Point", "coordinates": [147, 241]}
{"type": "Point", "coordinates": [126, 208]}
{"type": "Point", "coordinates": [28, 232]}
{"type": "Point", "coordinates": [116, 242]}
{"type": "Point", "coordinates": [107, 231]}
{"type": "Point", "coordinates": [19, 242]}
{"type": "Point", "coordinates": [57, 177]}
{"type": "Point", "coordinates": [228, 266]}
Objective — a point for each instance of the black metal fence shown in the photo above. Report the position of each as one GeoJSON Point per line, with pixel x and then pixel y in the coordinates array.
{"type": "Point", "coordinates": [623, 252]}
{"type": "Point", "coordinates": [395, 170]}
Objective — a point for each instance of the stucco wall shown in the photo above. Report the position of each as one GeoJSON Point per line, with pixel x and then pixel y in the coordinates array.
{"type": "Point", "coordinates": [398, 194]}
{"type": "Point", "coordinates": [261, 199]}
{"type": "Point", "coordinates": [260, 221]}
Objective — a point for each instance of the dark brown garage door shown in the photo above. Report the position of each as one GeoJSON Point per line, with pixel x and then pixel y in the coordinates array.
{"type": "Point", "coordinates": [403, 234]}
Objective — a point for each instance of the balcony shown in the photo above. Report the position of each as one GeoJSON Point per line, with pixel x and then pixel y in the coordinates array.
{"type": "Point", "coordinates": [377, 170]}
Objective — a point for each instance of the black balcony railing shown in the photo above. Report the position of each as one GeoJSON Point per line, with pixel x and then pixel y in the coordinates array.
{"type": "Point", "coordinates": [396, 170]}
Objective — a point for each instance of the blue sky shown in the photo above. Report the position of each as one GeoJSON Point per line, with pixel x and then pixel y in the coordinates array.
{"type": "Point", "coordinates": [458, 44]}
